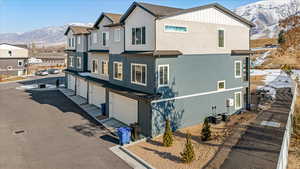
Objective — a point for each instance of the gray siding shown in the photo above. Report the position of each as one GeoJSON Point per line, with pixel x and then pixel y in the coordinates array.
{"type": "Point", "coordinates": [4, 63]}
{"type": "Point", "coordinates": [84, 61]}
{"type": "Point", "coordinates": [126, 82]}
{"type": "Point", "coordinates": [193, 74]}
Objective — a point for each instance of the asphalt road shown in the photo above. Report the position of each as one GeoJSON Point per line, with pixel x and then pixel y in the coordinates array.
{"type": "Point", "coordinates": [57, 133]}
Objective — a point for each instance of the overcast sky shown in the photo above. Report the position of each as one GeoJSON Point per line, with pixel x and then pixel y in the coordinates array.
{"type": "Point", "coordinates": [25, 15]}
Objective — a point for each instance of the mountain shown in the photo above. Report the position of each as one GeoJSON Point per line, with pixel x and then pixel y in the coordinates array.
{"type": "Point", "coordinates": [266, 14]}
{"type": "Point", "coordinates": [52, 35]}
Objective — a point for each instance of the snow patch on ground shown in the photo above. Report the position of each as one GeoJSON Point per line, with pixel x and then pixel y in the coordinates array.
{"type": "Point", "coordinates": [274, 78]}
{"type": "Point", "coordinates": [34, 86]}
{"type": "Point", "coordinates": [261, 59]}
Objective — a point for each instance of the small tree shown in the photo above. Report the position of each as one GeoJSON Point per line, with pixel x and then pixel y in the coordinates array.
{"type": "Point", "coordinates": [188, 154]}
{"type": "Point", "coordinates": [206, 133]}
{"type": "Point", "coordinates": [168, 135]}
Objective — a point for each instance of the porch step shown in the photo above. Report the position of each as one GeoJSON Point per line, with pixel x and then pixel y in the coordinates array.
{"type": "Point", "coordinates": [112, 124]}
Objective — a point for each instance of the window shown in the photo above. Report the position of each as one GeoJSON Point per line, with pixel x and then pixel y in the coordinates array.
{"type": "Point", "coordinates": [95, 66]}
{"type": "Point", "coordinates": [139, 36]}
{"type": "Point", "coordinates": [71, 61]}
{"type": "Point", "coordinates": [78, 40]}
{"type": "Point", "coordinates": [78, 62]}
{"type": "Point", "coordinates": [221, 85]}
{"type": "Point", "coordinates": [10, 53]}
{"type": "Point", "coordinates": [94, 37]}
{"type": "Point", "coordinates": [70, 43]}
{"type": "Point", "coordinates": [163, 75]}
{"type": "Point", "coordinates": [118, 70]}
{"type": "Point", "coordinates": [104, 38]}
{"type": "Point", "coordinates": [104, 67]}
{"type": "Point", "coordinates": [138, 74]}
{"type": "Point", "coordinates": [170, 28]}
{"type": "Point", "coordinates": [237, 69]}
{"type": "Point", "coordinates": [117, 35]}
{"type": "Point", "coordinates": [73, 42]}
{"type": "Point", "coordinates": [20, 63]}
{"type": "Point", "coordinates": [238, 100]}
{"type": "Point", "coordinates": [221, 38]}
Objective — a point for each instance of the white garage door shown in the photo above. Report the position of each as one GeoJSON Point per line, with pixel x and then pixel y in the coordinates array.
{"type": "Point", "coordinates": [82, 88]}
{"type": "Point", "coordinates": [96, 95]}
{"type": "Point", "coordinates": [123, 108]}
{"type": "Point", "coordinates": [71, 82]}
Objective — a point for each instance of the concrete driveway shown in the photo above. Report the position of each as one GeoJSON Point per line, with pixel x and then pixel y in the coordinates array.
{"type": "Point", "coordinates": [57, 134]}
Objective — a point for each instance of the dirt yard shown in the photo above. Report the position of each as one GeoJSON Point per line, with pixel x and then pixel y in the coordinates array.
{"type": "Point", "coordinates": [162, 157]}
{"type": "Point", "coordinates": [8, 79]}
{"type": "Point", "coordinates": [262, 42]}
{"type": "Point", "coordinates": [256, 81]}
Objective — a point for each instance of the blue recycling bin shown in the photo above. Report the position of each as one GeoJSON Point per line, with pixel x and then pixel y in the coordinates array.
{"type": "Point", "coordinates": [124, 134]}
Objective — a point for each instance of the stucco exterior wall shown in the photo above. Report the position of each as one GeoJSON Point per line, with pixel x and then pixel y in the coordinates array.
{"type": "Point", "coordinates": [191, 75]}
{"type": "Point", "coordinates": [140, 18]}
{"type": "Point", "coordinates": [201, 38]}
{"type": "Point", "coordinates": [15, 52]}
{"type": "Point", "coordinates": [126, 82]}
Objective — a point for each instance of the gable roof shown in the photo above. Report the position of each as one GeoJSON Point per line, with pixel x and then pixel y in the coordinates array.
{"type": "Point", "coordinates": [155, 10]}
{"type": "Point", "coordinates": [164, 11]}
{"type": "Point", "coordinates": [15, 45]}
{"type": "Point", "coordinates": [113, 17]}
{"type": "Point", "coordinates": [77, 30]}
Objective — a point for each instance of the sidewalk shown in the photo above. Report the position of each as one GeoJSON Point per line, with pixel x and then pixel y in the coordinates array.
{"type": "Point", "coordinates": [110, 124]}
{"type": "Point", "coordinates": [260, 146]}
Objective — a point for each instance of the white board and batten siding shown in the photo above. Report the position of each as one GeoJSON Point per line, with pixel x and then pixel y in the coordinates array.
{"type": "Point", "coordinates": [123, 108]}
{"type": "Point", "coordinates": [81, 88]}
{"type": "Point", "coordinates": [96, 94]}
{"type": "Point", "coordinates": [209, 15]}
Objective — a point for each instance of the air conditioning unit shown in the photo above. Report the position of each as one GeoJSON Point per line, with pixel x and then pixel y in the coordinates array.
{"type": "Point", "coordinates": [229, 102]}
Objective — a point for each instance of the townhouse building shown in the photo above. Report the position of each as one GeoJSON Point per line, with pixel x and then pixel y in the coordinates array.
{"type": "Point", "coordinates": [13, 59]}
{"type": "Point", "coordinates": [154, 63]}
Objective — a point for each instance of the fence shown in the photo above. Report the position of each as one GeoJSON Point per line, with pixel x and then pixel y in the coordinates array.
{"type": "Point", "coordinates": [284, 152]}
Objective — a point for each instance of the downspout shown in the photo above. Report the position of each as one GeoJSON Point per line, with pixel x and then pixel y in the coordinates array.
{"type": "Point", "coordinates": [249, 76]}
{"type": "Point", "coordinates": [75, 85]}
{"type": "Point", "coordinates": [88, 91]}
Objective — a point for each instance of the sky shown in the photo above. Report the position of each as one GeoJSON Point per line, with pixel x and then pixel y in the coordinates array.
{"type": "Point", "coordinates": [17, 16]}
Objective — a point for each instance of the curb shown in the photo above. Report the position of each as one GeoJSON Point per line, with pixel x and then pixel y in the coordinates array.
{"type": "Point", "coordinates": [130, 158]}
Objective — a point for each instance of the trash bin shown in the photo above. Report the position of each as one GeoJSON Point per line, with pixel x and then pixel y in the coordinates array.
{"type": "Point", "coordinates": [124, 135]}
{"type": "Point", "coordinates": [135, 131]}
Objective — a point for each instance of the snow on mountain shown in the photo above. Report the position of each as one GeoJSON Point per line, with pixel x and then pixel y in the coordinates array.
{"type": "Point", "coordinates": [266, 14]}
{"type": "Point", "coordinates": [52, 35]}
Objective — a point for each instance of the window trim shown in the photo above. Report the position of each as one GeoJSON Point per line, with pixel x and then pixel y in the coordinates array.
{"type": "Point", "coordinates": [221, 81]}
{"type": "Point", "coordinates": [78, 60]}
{"type": "Point", "coordinates": [71, 61]}
{"type": "Point", "coordinates": [187, 29]}
{"type": "Point", "coordinates": [120, 79]}
{"type": "Point", "coordinates": [94, 37]}
{"type": "Point", "coordinates": [138, 64]}
{"type": "Point", "coordinates": [239, 76]}
{"type": "Point", "coordinates": [78, 40]}
{"type": "Point", "coordinates": [142, 37]}
{"type": "Point", "coordinates": [20, 61]}
{"type": "Point", "coordinates": [218, 38]}
{"type": "Point", "coordinates": [163, 85]}
{"type": "Point", "coordinates": [96, 60]}
{"type": "Point", "coordinates": [106, 38]}
{"type": "Point", "coordinates": [106, 74]}
{"type": "Point", "coordinates": [119, 35]}
{"type": "Point", "coordinates": [241, 102]}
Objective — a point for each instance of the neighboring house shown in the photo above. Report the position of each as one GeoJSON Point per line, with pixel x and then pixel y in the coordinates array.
{"type": "Point", "coordinates": [13, 59]}
{"type": "Point", "coordinates": [160, 62]}
{"type": "Point", "coordinates": [52, 59]}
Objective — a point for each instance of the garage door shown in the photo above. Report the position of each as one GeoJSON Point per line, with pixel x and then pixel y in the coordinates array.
{"type": "Point", "coordinates": [97, 95]}
{"type": "Point", "coordinates": [71, 82]}
{"type": "Point", "coordinates": [81, 88]}
{"type": "Point", "coordinates": [123, 108]}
